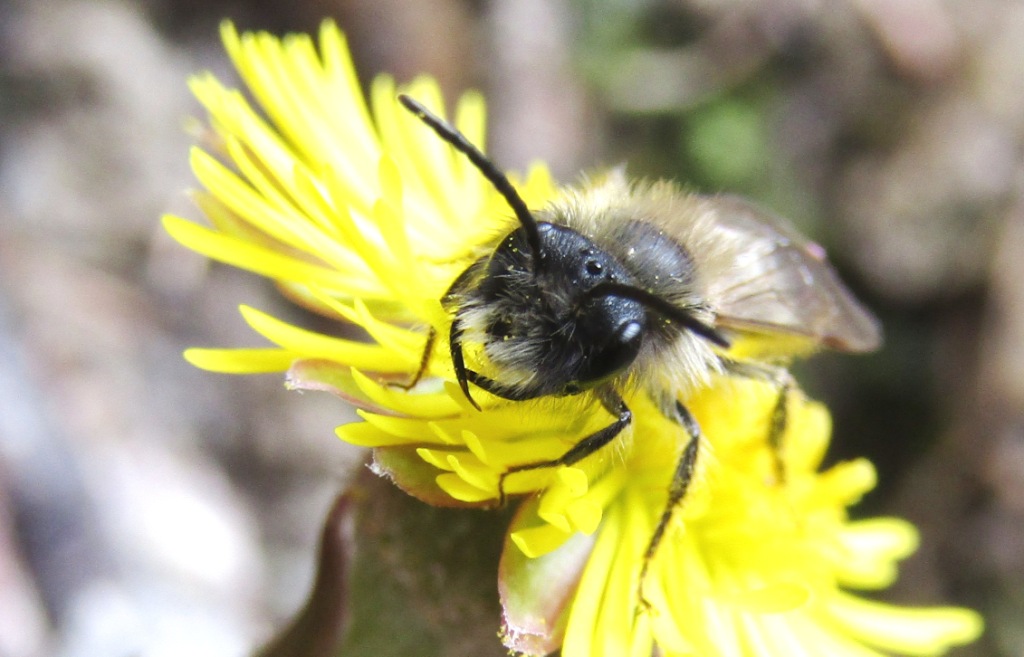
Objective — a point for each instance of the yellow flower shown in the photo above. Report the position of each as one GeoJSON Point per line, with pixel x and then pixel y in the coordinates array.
{"type": "Point", "coordinates": [365, 216]}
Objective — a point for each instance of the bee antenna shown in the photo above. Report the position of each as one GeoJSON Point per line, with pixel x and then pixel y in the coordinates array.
{"type": "Point", "coordinates": [500, 181]}
{"type": "Point", "coordinates": [662, 307]}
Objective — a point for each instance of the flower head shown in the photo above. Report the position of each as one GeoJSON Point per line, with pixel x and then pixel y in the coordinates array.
{"type": "Point", "coordinates": [363, 215]}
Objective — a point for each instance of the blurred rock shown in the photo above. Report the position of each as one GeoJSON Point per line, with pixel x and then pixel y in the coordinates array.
{"type": "Point", "coordinates": [133, 507]}
{"type": "Point", "coordinates": [922, 217]}
{"type": "Point", "coordinates": [106, 146]}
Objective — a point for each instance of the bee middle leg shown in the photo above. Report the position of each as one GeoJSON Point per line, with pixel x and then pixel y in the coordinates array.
{"type": "Point", "coordinates": [681, 480]}
{"type": "Point", "coordinates": [783, 382]}
{"type": "Point", "coordinates": [614, 404]}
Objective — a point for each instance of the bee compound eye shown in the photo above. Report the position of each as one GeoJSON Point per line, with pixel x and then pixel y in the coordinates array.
{"type": "Point", "coordinates": [629, 332]}
{"type": "Point", "coordinates": [617, 353]}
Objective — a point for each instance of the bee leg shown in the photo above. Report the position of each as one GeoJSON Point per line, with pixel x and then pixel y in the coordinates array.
{"type": "Point", "coordinates": [783, 381]}
{"type": "Point", "coordinates": [681, 480]}
{"type": "Point", "coordinates": [455, 333]}
{"type": "Point", "coordinates": [614, 404]}
{"type": "Point", "coordinates": [459, 362]}
{"type": "Point", "coordinates": [462, 375]}
{"type": "Point", "coordinates": [424, 361]}
{"type": "Point", "coordinates": [780, 418]}
{"type": "Point", "coordinates": [497, 389]}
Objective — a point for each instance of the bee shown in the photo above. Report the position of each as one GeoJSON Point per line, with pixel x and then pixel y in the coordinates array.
{"type": "Point", "coordinates": [617, 287]}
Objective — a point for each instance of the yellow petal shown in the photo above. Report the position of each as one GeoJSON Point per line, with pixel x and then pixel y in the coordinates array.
{"type": "Point", "coordinates": [264, 261]}
{"type": "Point", "coordinates": [537, 541]}
{"type": "Point", "coordinates": [462, 490]}
{"type": "Point", "coordinates": [912, 631]}
{"type": "Point", "coordinates": [418, 405]}
{"type": "Point", "coordinates": [364, 434]}
{"type": "Point", "coordinates": [241, 361]}
{"type": "Point", "coordinates": [870, 550]}
{"type": "Point", "coordinates": [316, 345]}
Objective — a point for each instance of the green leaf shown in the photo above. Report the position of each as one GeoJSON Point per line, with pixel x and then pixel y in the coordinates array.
{"type": "Point", "coordinates": [423, 579]}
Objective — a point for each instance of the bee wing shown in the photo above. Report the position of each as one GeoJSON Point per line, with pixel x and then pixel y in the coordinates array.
{"type": "Point", "coordinates": [781, 282]}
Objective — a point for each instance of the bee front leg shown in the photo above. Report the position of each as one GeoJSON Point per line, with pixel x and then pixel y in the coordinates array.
{"type": "Point", "coordinates": [457, 286]}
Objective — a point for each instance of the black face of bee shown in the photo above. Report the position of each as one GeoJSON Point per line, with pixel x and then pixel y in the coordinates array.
{"type": "Point", "coordinates": [552, 314]}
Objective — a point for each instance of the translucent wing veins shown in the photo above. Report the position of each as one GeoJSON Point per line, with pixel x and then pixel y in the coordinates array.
{"type": "Point", "coordinates": [782, 282]}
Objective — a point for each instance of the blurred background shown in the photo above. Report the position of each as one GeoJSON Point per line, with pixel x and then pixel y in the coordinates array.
{"type": "Point", "coordinates": [147, 508]}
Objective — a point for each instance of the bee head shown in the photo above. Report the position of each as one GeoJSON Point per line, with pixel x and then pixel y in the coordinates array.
{"type": "Point", "coordinates": [556, 317]}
